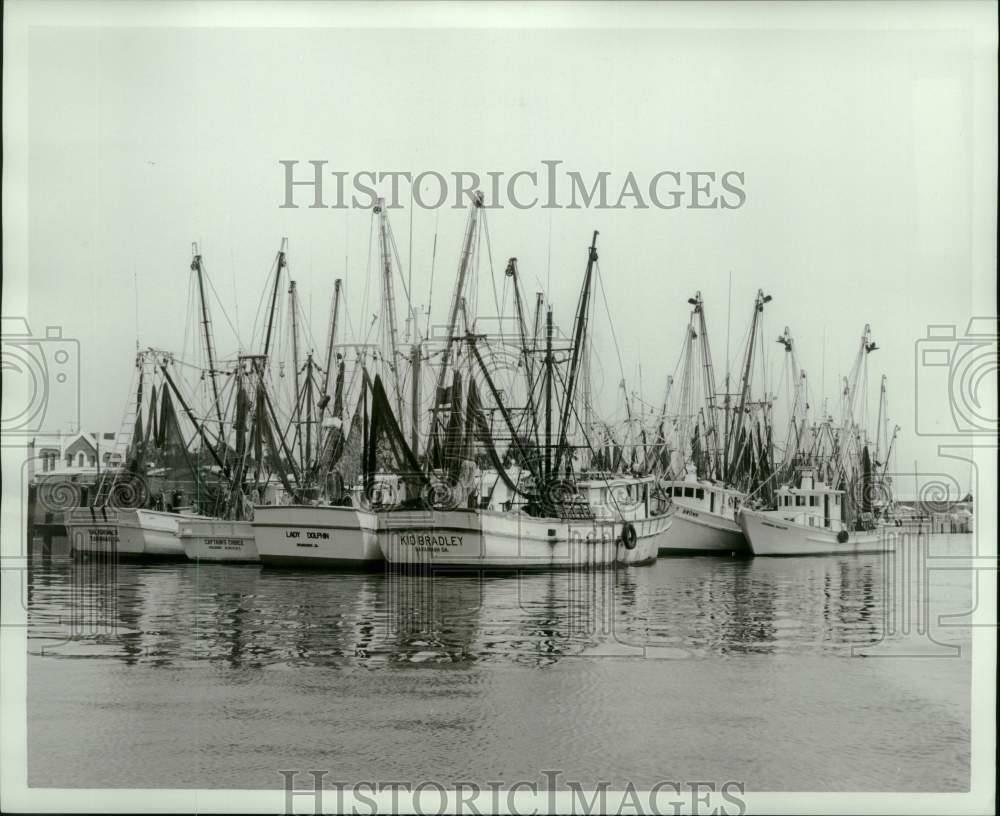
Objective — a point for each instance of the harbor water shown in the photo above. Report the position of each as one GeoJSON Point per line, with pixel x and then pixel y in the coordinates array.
{"type": "Point", "coordinates": [786, 674]}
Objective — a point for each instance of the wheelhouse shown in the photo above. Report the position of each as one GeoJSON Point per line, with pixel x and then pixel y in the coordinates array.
{"type": "Point", "coordinates": [706, 497]}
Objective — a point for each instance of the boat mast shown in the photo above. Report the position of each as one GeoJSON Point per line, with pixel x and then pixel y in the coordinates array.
{"type": "Point", "coordinates": [655, 452]}
{"type": "Point", "coordinates": [797, 401]}
{"type": "Point", "coordinates": [389, 303]}
{"type": "Point", "coordinates": [745, 379]}
{"type": "Point", "coordinates": [708, 369]}
{"type": "Point", "coordinates": [280, 263]}
{"type": "Point", "coordinates": [246, 436]}
{"type": "Point", "coordinates": [727, 398]}
{"type": "Point", "coordinates": [456, 304]}
{"type": "Point", "coordinates": [258, 364]}
{"type": "Point", "coordinates": [526, 349]}
{"type": "Point", "coordinates": [586, 397]}
{"type": "Point", "coordinates": [331, 340]}
{"type": "Point", "coordinates": [548, 395]}
{"type": "Point", "coordinates": [882, 425]}
{"type": "Point", "coordinates": [537, 325]}
{"type": "Point", "coordinates": [522, 327]}
{"type": "Point", "coordinates": [578, 340]}
{"type": "Point", "coordinates": [628, 420]}
{"type": "Point", "coordinates": [198, 426]}
{"type": "Point", "coordinates": [308, 399]}
{"type": "Point", "coordinates": [850, 426]}
{"type": "Point", "coordinates": [415, 353]}
{"type": "Point", "coordinates": [686, 409]}
{"type": "Point", "coordinates": [206, 324]}
{"type": "Point", "coordinates": [292, 306]}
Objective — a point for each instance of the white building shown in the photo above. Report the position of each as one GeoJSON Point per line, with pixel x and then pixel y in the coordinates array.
{"type": "Point", "coordinates": [74, 454]}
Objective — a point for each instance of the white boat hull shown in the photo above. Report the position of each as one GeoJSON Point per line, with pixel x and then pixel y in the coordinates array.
{"type": "Point", "coordinates": [150, 533]}
{"type": "Point", "coordinates": [697, 531]}
{"type": "Point", "coordinates": [651, 535]}
{"type": "Point", "coordinates": [770, 534]}
{"type": "Point", "coordinates": [126, 533]}
{"type": "Point", "coordinates": [485, 539]}
{"type": "Point", "coordinates": [316, 536]}
{"type": "Point", "coordinates": [218, 540]}
{"type": "Point", "coordinates": [93, 531]}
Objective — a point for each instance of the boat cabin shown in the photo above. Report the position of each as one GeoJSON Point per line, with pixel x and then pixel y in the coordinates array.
{"type": "Point", "coordinates": [629, 498]}
{"type": "Point", "coordinates": [598, 494]}
{"type": "Point", "coordinates": [706, 497]}
{"type": "Point", "coordinates": [388, 490]}
{"type": "Point", "coordinates": [812, 503]}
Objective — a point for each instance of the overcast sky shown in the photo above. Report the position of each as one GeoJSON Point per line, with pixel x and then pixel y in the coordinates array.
{"type": "Point", "coordinates": [857, 148]}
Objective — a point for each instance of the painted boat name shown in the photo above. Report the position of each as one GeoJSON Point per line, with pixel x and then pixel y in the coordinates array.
{"type": "Point", "coordinates": [223, 543]}
{"type": "Point", "coordinates": [436, 542]}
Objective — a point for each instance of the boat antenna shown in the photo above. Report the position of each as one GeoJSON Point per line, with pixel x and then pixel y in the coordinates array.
{"type": "Point", "coordinates": [410, 316]}
{"type": "Point", "coordinates": [430, 293]}
{"type": "Point", "coordinates": [135, 291]}
{"type": "Point", "coordinates": [548, 264]}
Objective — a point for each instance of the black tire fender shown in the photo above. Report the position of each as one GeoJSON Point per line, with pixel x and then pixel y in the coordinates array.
{"type": "Point", "coordinates": [629, 536]}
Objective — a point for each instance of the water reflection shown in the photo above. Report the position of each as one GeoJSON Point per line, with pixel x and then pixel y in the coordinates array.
{"type": "Point", "coordinates": [248, 616]}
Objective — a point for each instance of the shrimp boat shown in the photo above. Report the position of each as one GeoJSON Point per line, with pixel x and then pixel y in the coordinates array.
{"type": "Point", "coordinates": [316, 536]}
{"type": "Point", "coordinates": [328, 523]}
{"type": "Point", "coordinates": [635, 504]}
{"type": "Point", "coordinates": [579, 536]}
{"type": "Point", "coordinates": [93, 531]}
{"type": "Point", "coordinates": [808, 516]}
{"type": "Point", "coordinates": [321, 534]}
{"type": "Point", "coordinates": [138, 508]}
{"type": "Point", "coordinates": [152, 533]}
{"type": "Point", "coordinates": [153, 503]}
{"type": "Point", "coordinates": [704, 519]}
{"type": "Point", "coordinates": [488, 539]}
{"type": "Point", "coordinates": [525, 509]}
{"type": "Point", "coordinates": [211, 539]}
{"type": "Point", "coordinates": [269, 513]}
{"type": "Point", "coordinates": [128, 532]}
{"type": "Point", "coordinates": [724, 452]}
{"type": "Point", "coordinates": [228, 535]}
{"type": "Point", "coordinates": [807, 522]}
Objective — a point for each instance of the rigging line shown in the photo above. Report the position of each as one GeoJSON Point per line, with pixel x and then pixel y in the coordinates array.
{"type": "Point", "coordinates": [236, 299]}
{"type": "Point", "coordinates": [135, 292]}
{"type": "Point", "coordinates": [548, 265]}
{"type": "Point", "coordinates": [607, 309]}
{"type": "Point", "coordinates": [430, 293]}
{"type": "Point", "coordinates": [306, 326]}
{"type": "Point", "coordinates": [368, 268]}
{"type": "Point", "coordinates": [351, 333]}
{"type": "Point", "coordinates": [399, 268]}
{"type": "Point", "coordinates": [409, 268]}
{"type": "Point", "coordinates": [590, 447]}
{"type": "Point", "coordinates": [471, 302]}
{"type": "Point", "coordinates": [264, 296]}
{"type": "Point", "coordinates": [729, 320]}
{"type": "Point", "coordinates": [218, 300]}
{"type": "Point", "coordinates": [493, 276]}
{"type": "Point", "coordinates": [189, 309]}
